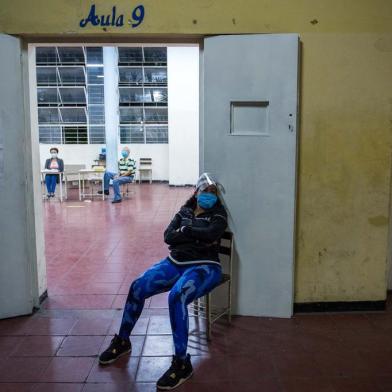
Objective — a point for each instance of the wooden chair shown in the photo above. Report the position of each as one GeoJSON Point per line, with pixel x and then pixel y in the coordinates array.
{"type": "Point", "coordinates": [145, 168]}
{"type": "Point", "coordinates": [203, 307]}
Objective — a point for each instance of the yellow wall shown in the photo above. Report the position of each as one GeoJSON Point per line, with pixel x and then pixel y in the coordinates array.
{"type": "Point", "coordinates": [346, 117]}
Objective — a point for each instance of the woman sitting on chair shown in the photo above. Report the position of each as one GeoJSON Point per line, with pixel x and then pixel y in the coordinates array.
{"type": "Point", "coordinates": [54, 164]}
{"type": "Point", "coordinates": [190, 271]}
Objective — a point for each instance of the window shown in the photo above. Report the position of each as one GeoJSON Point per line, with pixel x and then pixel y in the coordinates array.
{"type": "Point", "coordinates": [71, 55]}
{"type": "Point", "coordinates": [72, 75]}
{"type": "Point", "coordinates": [73, 95]}
{"type": "Point", "coordinates": [48, 116]}
{"type": "Point", "coordinates": [155, 56]}
{"type": "Point", "coordinates": [70, 95]}
{"type": "Point", "coordinates": [47, 76]}
{"type": "Point", "coordinates": [50, 135]}
{"type": "Point", "coordinates": [95, 75]}
{"type": "Point", "coordinates": [155, 76]}
{"type": "Point", "coordinates": [143, 95]}
{"type": "Point", "coordinates": [130, 75]}
{"type": "Point", "coordinates": [94, 55]}
{"type": "Point", "coordinates": [46, 56]}
{"type": "Point", "coordinates": [73, 115]}
{"type": "Point", "coordinates": [132, 134]}
{"type": "Point", "coordinates": [155, 115]}
{"type": "Point", "coordinates": [156, 96]}
{"type": "Point", "coordinates": [131, 115]}
{"type": "Point", "coordinates": [95, 94]}
{"type": "Point", "coordinates": [131, 96]}
{"type": "Point", "coordinates": [130, 56]}
{"type": "Point", "coordinates": [156, 134]}
{"type": "Point", "coordinates": [96, 114]}
{"type": "Point", "coordinates": [48, 96]}
{"type": "Point", "coordinates": [75, 135]}
{"type": "Point", "coordinates": [97, 134]}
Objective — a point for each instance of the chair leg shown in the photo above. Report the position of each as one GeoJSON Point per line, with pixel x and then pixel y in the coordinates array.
{"type": "Point", "coordinates": [230, 300]}
{"type": "Point", "coordinates": [208, 311]}
{"type": "Point", "coordinates": [196, 305]}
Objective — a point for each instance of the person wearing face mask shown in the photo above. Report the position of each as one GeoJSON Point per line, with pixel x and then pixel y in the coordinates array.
{"type": "Point", "coordinates": [126, 172]}
{"type": "Point", "coordinates": [191, 270]}
{"type": "Point", "coordinates": [53, 164]}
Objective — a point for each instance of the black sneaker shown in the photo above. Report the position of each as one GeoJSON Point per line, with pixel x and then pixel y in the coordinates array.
{"type": "Point", "coordinates": [177, 374]}
{"type": "Point", "coordinates": [105, 192]}
{"type": "Point", "coordinates": [118, 347]}
{"type": "Point", "coordinates": [116, 201]}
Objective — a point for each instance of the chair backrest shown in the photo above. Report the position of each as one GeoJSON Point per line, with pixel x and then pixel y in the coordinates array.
{"type": "Point", "coordinates": [145, 162]}
{"type": "Point", "coordinates": [72, 172]}
{"type": "Point", "coordinates": [226, 248]}
{"type": "Point", "coordinates": [74, 168]}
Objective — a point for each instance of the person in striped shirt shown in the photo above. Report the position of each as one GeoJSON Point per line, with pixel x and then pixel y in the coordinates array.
{"type": "Point", "coordinates": [126, 172]}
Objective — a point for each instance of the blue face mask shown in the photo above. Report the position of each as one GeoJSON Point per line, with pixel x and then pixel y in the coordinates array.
{"type": "Point", "coordinates": [206, 200]}
{"type": "Point", "coordinates": [124, 154]}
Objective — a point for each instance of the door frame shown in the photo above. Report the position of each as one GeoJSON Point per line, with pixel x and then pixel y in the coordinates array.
{"type": "Point", "coordinates": [32, 153]}
{"type": "Point", "coordinates": [35, 211]}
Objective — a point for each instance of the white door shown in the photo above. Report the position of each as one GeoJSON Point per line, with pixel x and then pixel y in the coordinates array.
{"type": "Point", "coordinates": [16, 269]}
{"type": "Point", "coordinates": [248, 139]}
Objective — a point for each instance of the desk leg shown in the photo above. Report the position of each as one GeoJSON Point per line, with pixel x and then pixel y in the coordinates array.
{"type": "Point", "coordinates": [65, 186]}
{"type": "Point", "coordinates": [61, 187]}
{"type": "Point", "coordinates": [80, 195]}
{"type": "Point", "coordinates": [43, 186]}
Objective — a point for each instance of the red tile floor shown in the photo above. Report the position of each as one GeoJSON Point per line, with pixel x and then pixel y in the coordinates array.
{"type": "Point", "coordinates": [95, 249]}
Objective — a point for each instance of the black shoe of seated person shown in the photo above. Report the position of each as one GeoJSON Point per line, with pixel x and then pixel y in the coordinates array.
{"type": "Point", "coordinates": [118, 347]}
{"type": "Point", "coordinates": [105, 192]}
{"type": "Point", "coordinates": [177, 374]}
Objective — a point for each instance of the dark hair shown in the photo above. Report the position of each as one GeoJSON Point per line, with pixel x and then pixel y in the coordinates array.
{"type": "Point", "coordinates": [54, 148]}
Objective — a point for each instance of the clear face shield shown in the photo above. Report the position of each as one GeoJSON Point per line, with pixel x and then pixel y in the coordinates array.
{"type": "Point", "coordinates": [204, 181]}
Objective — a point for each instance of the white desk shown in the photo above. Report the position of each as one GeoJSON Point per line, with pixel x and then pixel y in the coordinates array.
{"type": "Point", "coordinates": [61, 179]}
{"type": "Point", "coordinates": [89, 175]}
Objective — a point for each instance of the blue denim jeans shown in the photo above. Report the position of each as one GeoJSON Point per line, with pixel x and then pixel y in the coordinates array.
{"type": "Point", "coordinates": [186, 283]}
{"type": "Point", "coordinates": [50, 181]}
{"type": "Point", "coordinates": [116, 183]}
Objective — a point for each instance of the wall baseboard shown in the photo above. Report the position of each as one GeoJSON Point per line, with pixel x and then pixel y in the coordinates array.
{"type": "Point", "coordinates": [154, 181]}
{"type": "Point", "coordinates": [354, 306]}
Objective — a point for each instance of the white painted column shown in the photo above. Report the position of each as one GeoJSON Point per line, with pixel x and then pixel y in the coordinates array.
{"type": "Point", "coordinates": [110, 72]}
{"type": "Point", "coordinates": [183, 92]}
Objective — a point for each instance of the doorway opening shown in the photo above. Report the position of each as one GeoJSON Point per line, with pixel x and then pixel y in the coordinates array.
{"type": "Point", "coordinates": [90, 101]}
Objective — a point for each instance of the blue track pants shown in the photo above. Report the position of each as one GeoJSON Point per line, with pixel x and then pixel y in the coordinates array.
{"type": "Point", "coordinates": [186, 283]}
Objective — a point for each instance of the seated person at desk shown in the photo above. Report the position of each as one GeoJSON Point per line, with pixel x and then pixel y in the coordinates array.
{"type": "Point", "coordinates": [191, 270]}
{"type": "Point", "coordinates": [126, 172]}
{"type": "Point", "coordinates": [56, 165]}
